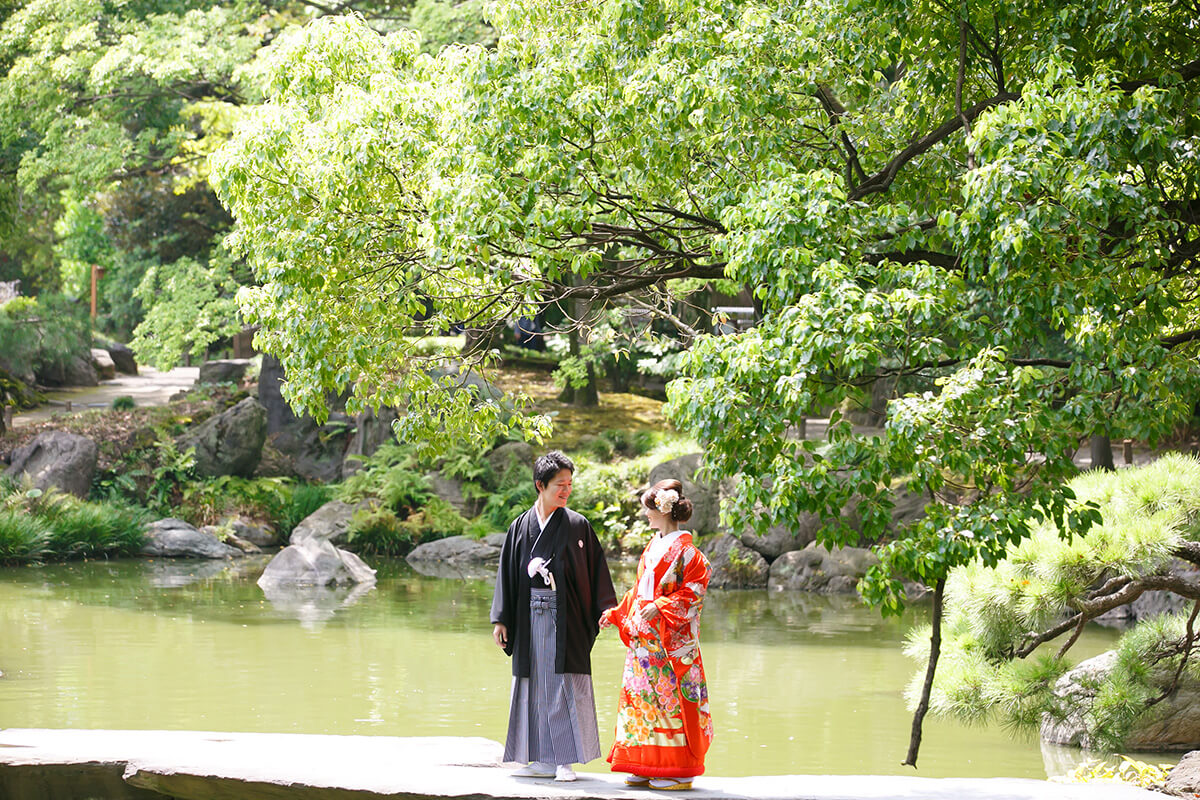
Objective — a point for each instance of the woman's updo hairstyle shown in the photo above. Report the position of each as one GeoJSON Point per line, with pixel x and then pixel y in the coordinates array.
{"type": "Point", "coordinates": [680, 510]}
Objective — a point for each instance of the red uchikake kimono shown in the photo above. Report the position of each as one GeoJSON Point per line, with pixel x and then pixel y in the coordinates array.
{"type": "Point", "coordinates": [663, 724]}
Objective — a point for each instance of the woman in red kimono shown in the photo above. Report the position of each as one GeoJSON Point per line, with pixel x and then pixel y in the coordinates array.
{"type": "Point", "coordinates": [663, 724]}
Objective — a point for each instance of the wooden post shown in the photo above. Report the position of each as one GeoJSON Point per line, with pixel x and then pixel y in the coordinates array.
{"type": "Point", "coordinates": [8, 417]}
{"type": "Point", "coordinates": [68, 406]}
{"type": "Point", "coordinates": [1127, 448]}
{"type": "Point", "coordinates": [97, 274]}
{"type": "Point", "coordinates": [804, 427]}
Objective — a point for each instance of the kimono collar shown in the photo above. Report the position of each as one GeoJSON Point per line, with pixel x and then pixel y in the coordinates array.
{"type": "Point", "coordinates": [660, 546]}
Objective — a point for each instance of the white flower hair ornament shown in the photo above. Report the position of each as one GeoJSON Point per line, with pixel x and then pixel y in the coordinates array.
{"type": "Point", "coordinates": [665, 500]}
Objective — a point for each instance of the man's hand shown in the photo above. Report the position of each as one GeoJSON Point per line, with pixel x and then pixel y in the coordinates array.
{"type": "Point", "coordinates": [500, 635]}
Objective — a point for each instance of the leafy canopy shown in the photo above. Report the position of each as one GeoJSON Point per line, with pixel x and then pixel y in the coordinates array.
{"type": "Point", "coordinates": [989, 208]}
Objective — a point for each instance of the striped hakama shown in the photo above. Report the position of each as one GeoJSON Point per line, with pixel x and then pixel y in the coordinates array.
{"type": "Point", "coordinates": [552, 717]}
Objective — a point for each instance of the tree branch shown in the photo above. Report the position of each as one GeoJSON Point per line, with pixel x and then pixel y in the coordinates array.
{"type": "Point", "coordinates": [881, 180]}
{"type": "Point", "coordinates": [1186, 72]}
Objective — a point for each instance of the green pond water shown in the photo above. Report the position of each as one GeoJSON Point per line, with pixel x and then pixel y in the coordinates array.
{"type": "Point", "coordinates": [799, 684]}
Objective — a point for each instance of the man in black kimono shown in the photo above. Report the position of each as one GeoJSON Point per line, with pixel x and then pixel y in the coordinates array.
{"type": "Point", "coordinates": [552, 585]}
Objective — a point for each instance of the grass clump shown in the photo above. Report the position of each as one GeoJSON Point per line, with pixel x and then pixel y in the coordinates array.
{"type": "Point", "coordinates": [23, 538]}
{"type": "Point", "coordinates": [38, 525]}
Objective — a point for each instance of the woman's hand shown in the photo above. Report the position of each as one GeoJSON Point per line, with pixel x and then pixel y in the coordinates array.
{"type": "Point", "coordinates": [647, 613]}
{"type": "Point", "coordinates": [500, 635]}
{"type": "Point", "coordinates": [606, 619]}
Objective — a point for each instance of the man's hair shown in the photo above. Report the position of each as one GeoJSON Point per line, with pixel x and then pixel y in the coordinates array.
{"type": "Point", "coordinates": [549, 465]}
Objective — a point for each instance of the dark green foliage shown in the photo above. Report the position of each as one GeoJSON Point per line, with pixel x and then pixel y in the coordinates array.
{"type": "Point", "coordinates": [37, 525]}
{"type": "Point", "coordinates": [124, 403]}
{"type": "Point", "coordinates": [504, 505]}
{"type": "Point", "coordinates": [436, 520]}
{"type": "Point", "coordinates": [304, 500]}
{"type": "Point", "coordinates": [379, 531]}
{"type": "Point", "coordinates": [82, 530]}
{"type": "Point", "coordinates": [404, 490]}
{"type": "Point", "coordinates": [23, 538]}
{"type": "Point", "coordinates": [42, 335]}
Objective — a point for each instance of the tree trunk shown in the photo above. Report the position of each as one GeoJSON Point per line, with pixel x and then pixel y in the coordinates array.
{"type": "Point", "coordinates": [1102, 455]}
{"type": "Point", "coordinates": [935, 651]}
{"type": "Point", "coordinates": [586, 396]}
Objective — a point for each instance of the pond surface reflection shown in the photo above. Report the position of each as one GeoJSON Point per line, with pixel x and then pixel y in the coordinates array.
{"type": "Point", "coordinates": [799, 684]}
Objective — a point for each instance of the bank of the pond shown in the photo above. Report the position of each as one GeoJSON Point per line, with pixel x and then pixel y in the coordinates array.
{"type": "Point", "coordinates": [186, 765]}
{"type": "Point", "coordinates": [800, 683]}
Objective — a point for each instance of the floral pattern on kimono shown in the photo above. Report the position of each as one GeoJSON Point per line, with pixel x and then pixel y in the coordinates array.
{"type": "Point", "coordinates": [664, 727]}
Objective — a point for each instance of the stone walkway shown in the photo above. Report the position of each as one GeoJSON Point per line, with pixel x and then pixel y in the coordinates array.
{"type": "Point", "coordinates": [189, 765]}
{"type": "Point", "coordinates": [148, 388]}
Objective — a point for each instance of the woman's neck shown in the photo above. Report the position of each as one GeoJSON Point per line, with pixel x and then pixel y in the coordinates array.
{"type": "Point", "coordinates": [668, 531]}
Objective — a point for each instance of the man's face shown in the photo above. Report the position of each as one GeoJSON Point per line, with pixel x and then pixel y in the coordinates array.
{"type": "Point", "coordinates": [556, 492]}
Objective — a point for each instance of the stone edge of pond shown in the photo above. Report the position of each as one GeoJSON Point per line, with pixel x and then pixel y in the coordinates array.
{"type": "Point", "coordinates": [142, 765]}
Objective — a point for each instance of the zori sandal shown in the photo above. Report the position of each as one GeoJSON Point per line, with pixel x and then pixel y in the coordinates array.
{"type": "Point", "coordinates": [671, 784]}
{"type": "Point", "coordinates": [636, 780]}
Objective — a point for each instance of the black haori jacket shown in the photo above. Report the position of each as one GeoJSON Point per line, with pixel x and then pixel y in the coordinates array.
{"type": "Point", "coordinates": [584, 589]}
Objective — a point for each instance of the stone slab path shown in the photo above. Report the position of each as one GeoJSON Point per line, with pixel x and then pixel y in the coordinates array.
{"type": "Point", "coordinates": [189, 765]}
{"type": "Point", "coordinates": [148, 388]}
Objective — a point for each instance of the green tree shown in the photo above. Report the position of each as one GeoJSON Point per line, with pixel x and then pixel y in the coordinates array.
{"type": "Point", "coordinates": [1010, 629]}
{"type": "Point", "coordinates": [992, 206]}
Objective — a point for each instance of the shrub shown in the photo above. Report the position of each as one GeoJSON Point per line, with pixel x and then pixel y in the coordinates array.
{"type": "Point", "coordinates": [210, 500]}
{"type": "Point", "coordinates": [606, 495]}
{"type": "Point", "coordinates": [503, 506]}
{"type": "Point", "coordinates": [378, 531]}
{"type": "Point", "coordinates": [304, 500]}
{"type": "Point", "coordinates": [23, 538]}
{"type": "Point", "coordinates": [404, 490]}
{"type": "Point", "coordinates": [437, 520]}
{"type": "Point", "coordinates": [44, 333]}
{"type": "Point", "coordinates": [55, 525]}
{"type": "Point", "coordinates": [123, 403]}
{"type": "Point", "coordinates": [80, 530]}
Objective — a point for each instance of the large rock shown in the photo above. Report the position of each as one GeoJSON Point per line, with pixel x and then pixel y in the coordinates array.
{"type": "Point", "coordinates": [76, 371]}
{"type": "Point", "coordinates": [329, 523]}
{"type": "Point", "coordinates": [231, 442]}
{"type": "Point", "coordinates": [1184, 778]}
{"type": "Point", "coordinates": [270, 376]}
{"type": "Point", "coordinates": [316, 452]}
{"type": "Point", "coordinates": [371, 430]}
{"type": "Point", "coordinates": [817, 569]}
{"type": "Point", "coordinates": [705, 496]}
{"type": "Point", "coordinates": [315, 562]}
{"type": "Point", "coordinates": [106, 368]}
{"type": "Point", "coordinates": [777, 541]}
{"type": "Point", "coordinates": [1173, 724]}
{"type": "Point", "coordinates": [122, 358]}
{"type": "Point", "coordinates": [734, 565]}
{"type": "Point", "coordinates": [510, 457]}
{"type": "Point", "coordinates": [458, 557]}
{"type": "Point", "coordinates": [255, 533]}
{"type": "Point", "coordinates": [230, 370]}
{"type": "Point", "coordinates": [57, 459]}
{"type": "Point", "coordinates": [174, 538]}
{"type": "Point", "coordinates": [459, 550]}
{"type": "Point", "coordinates": [226, 534]}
